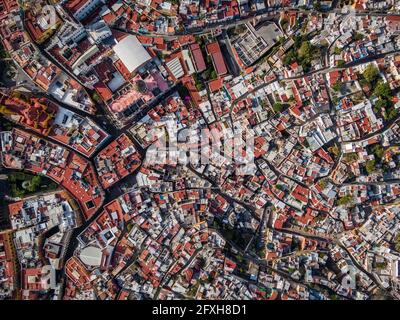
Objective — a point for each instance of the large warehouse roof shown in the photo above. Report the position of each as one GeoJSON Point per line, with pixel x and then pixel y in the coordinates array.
{"type": "Point", "coordinates": [131, 52]}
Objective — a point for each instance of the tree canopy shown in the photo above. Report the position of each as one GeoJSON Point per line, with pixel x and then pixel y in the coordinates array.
{"type": "Point", "coordinates": [382, 90]}
{"type": "Point", "coordinates": [371, 74]}
{"type": "Point", "coordinates": [370, 166]}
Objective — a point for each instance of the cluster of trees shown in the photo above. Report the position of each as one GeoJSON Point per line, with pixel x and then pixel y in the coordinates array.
{"type": "Point", "coordinates": [384, 104]}
{"type": "Point", "coordinates": [370, 75]}
{"type": "Point", "coordinates": [350, 157]}
{"type": "Point", "coordinates": [344, 200]}
{"type": "Point", "coordinates": [335, 150]}
{"type": "Point", "coordinates": [199, 83]}
{"type": "Point", "coordinates": [3, 53]}
{"type": "Point", "coordinates": [323, 183]}
{"type": "Point", "coordinates": [96, 98]}
{"type": "Point", "coordinates": [280, 187]}
{"type": "Point", "coordinates": [7, 69]}
{"type": "Point", "coordinates": [370, 166]}
{"type": "Point", "coordinates": [338, 86]}
{"type": "Point", "coordinates": [209, 74]}
{"type": "Point", "coordinates": [23, 184]}
{"type": "Point", "coordinates": [397, 242]}
{"type": "Point", "coordinates": [358, 36]}
{"type": "Point", "coordinates": [346, 3]}
{"type": "Point", "coordinates": [278, 107]}
{"type": "Point", "coordinates": [378, 151]}
{"type": "Point", "coordinates": [301, 52]}
{"type": "Point", "coordinates": [317, 5]}
{"type": "Point", "coordinates": [337, 51]}
{"type": "Point", "coordinates": [381, 265]}
{"type": "Point", "coordinates": [5, 125]}
{"type": "Point", "coordinates": [340, 63]}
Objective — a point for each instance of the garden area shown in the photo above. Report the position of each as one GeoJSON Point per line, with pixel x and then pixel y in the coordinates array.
{"type": "Point", "coordinates": [7, 70]}
{"type": "Point", "coordinates": [302, 52]}
{"type": "Point", "coordinates": [372, 80]}
{"type": "Point", "coordinates": [24, 184]}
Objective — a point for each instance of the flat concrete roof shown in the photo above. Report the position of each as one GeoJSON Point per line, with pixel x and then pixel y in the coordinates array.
{"type": "Point", "coordinates": [91, 256]}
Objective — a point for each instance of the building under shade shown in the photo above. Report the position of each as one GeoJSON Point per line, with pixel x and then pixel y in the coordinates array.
{"type": "Point", "coordinates": [91, 256]}
{"type": "Point", "coordinates": [132, 53]}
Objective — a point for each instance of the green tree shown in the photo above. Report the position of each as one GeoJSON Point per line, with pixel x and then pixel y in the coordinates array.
{"type": "Point", "coordinates": [397, 242]}
{"type": "Point", "coordinates": [358, 36]}
{"type": "Point", "coordinates": [3, 53]}
{"type": "Point", "coordinates": [288, 58]}
{"type": "Point", "coordinates": [391, 113]}
{"type": "Point", "coordinates": [317, 6]}
{"type": "Point", "coordinates": [344, 200]}
{"type": "Point", "coordinates": [350, 157]}
{"type": "Point", "coordinates": [34, 183]}
{"type": "Point", "coordinates": [280, 187]}
{"type": "Point", "coordinates": [277, 106]}
{"type": "Point", "coordinates": [337, 51]}
{"type": "Point", "coordinates": [371, 74]}
{"type": "Point", "coordinates": [382, 90]}
{"type": "Point", "coordinates": [96, 98]}
{"type": "Point", "coordinates": [298, 41]}
{"type": "Point", "coordinates": [335, 150]}
{"type": "Point", "coordinates": [378, 151]}
{"type": "Point", "coordinates": [305, 50]}
{"type": "Point", "coordinates": [323, 183]}
{"type": "Point", "coordinates": [370, 166]}
{"type": "Point", "coordinates": [341, 63]}
{"type": "Point", "coordinates": [337, 86]}
{"type": "Point", "coordinates": [284, 24]}
{"type": "Point", "coordinates": [379, 105]}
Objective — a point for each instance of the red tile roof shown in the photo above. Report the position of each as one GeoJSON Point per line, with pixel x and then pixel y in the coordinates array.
{"type": "Point", "coordinates": [215, 85]}
{"type": "Point", "coordinates": [214, 50]}
{"type": "Point", "coordinates": [198, 57]}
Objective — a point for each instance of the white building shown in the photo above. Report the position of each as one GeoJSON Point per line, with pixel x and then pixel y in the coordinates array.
{"type": "Point", "coordinates": [132, 53]}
